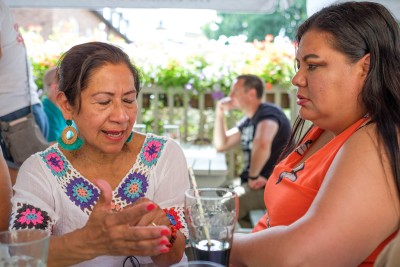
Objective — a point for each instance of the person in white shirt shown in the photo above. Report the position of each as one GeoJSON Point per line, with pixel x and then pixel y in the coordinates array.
{"type": "Point", "coordinates": [18, 90]}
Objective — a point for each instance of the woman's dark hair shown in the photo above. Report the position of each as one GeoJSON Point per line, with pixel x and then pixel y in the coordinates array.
{"type": "Point", "coordinates": [356, 29]}
{"type": "Point", "coordinates": [78, 64]}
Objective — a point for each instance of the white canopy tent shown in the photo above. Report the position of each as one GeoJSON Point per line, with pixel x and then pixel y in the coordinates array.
{"type": "Point", "coordinates": [261, 6]}
{"type": "Point", "coordinates": [258, 6]}
{"type": "Point", "coordinates": [315, 5]}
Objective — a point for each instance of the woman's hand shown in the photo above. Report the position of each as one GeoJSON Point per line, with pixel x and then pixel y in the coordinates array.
{"type": "Point", "coordinates": [125, 232]}
{"type": "Point", "coordinates": [158, 219]}
{"type": "Point", "coordinates": [155, 217]}
{"type": "Point", "coordinates": [112, 233]}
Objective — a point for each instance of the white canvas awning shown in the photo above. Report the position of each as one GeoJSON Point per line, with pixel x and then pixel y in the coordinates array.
{"type": "Point", "coordinates": [262, 6]}
{"type": "Point", "coordinates": [315, 5]}
{"type": "Point", "coordinates": [257, 6]}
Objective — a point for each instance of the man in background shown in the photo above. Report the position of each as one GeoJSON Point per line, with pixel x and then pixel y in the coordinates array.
{"type": "Point", "coordinates": [56, 119]}
{"type": "Point", "coordinates": [18, 91]}
{"type": "Point", "coordinates": [262, 133]}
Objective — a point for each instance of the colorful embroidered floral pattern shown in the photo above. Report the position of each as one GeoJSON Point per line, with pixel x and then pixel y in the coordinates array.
{"type": "Point", "coordinates": [82, 193]}
{"type": "Point", "coordinates": [29, 217]}
{"type": "Point", "coordinates": [173, 217]}
{"type": "Point", "coordinates": [55, 161]}
{"type": "Point", "coordinates": [151, 150]}
{"type": "Point", "coordinates": [133, 187]}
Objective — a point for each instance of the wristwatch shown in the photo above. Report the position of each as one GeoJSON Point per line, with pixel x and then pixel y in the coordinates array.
{"type": "Point", "coordinates": [253, 177]}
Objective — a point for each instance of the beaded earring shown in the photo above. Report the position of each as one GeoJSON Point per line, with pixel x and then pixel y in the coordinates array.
{"type": "Point", "coordinates": [129, 138]}
{"type": "Point", "coordinates": [69, 139]}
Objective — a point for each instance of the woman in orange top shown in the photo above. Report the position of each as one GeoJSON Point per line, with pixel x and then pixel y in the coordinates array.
{"type": "Point", "coordinates": [334, 200]}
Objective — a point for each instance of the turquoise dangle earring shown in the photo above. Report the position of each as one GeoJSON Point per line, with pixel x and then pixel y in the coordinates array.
{"type": "Point", "coordinates": [69, 139]}
{"type": "Point", "coordinates": [129, 138]}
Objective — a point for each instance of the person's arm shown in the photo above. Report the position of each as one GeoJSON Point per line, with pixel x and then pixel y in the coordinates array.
{"type": "Point", "coordinates": [6, 193]}
{"type": "Point", "coordinates": [356, 208]}
{"type": "Point", "coordinates": [223, 138]}
{"type": "Point", "coordinates": [261, 151]}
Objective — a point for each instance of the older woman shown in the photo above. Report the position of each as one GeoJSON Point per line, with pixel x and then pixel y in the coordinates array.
{"type": "Point", "coordinates": [334, 200]}
{"type": "Point", "coordinates": [92, 190]}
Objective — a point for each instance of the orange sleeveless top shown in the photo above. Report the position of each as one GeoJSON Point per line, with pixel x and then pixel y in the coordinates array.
{"type": "Point", "coordinates": [291, 188]}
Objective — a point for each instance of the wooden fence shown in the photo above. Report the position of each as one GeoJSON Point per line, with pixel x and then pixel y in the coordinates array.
{"type": "Point", "coordinates": [177, 107]}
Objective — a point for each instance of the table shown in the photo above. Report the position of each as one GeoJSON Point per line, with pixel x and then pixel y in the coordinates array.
{"type": "Point", "coordinates": [209, 166]}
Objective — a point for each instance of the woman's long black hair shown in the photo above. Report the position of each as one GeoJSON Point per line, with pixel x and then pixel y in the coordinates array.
{"type": "Point", "coordinates": [356, 29]}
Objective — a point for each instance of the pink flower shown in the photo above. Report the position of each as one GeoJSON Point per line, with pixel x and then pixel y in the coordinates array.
{"type": "Point", "coordinates": [55, 161]}
{"type": "Point", "coordinates": [152, 149]}
{"type": "Point", "coordinates": [31, 216]}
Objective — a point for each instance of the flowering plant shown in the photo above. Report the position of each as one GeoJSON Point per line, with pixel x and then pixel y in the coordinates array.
{"type": "Point", "coordinates": [213, 69]}
{"type": "Point", "coordinates": [207, 67]}
{"type": "Point", "coordinates": [40, 67]}
{"type": "Point", "coordinates": [274, 61]}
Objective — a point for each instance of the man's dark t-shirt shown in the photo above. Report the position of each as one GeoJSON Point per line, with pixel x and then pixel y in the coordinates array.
{"type": "Point", "coordinates": [247, 127]}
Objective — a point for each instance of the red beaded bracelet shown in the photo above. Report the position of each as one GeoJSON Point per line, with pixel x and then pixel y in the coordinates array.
{"type": "Point", "coordinates": [173, 236]}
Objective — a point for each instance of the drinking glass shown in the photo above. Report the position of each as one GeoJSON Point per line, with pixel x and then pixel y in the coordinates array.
{"type": "Point", "coordinates": [197, 264]}
{"type": "Point", "coordinates": [211, 215]}
{"type": "Point", "coordinates": [24, 248]}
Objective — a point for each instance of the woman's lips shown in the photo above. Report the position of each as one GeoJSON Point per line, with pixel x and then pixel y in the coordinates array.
{"type": "Point", "coordinates": [116, 135]}
{"type": "Point", "coordinates": [301, 100]}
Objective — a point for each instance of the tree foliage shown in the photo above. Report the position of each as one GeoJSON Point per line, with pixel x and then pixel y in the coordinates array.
{"type": "Point", "coordinates": [257, 26]}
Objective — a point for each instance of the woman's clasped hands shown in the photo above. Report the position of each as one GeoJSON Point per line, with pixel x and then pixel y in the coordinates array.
{"type": "Point", "coordinates": [140, 229]}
